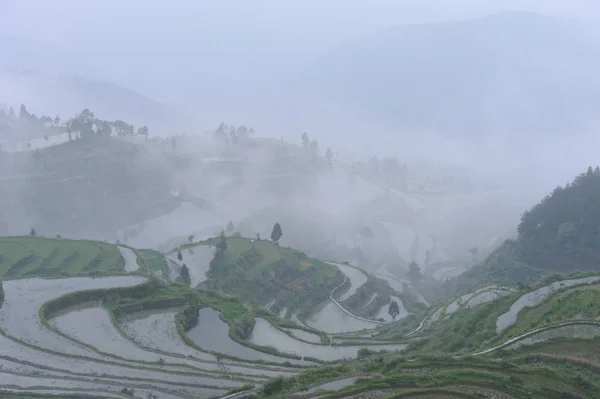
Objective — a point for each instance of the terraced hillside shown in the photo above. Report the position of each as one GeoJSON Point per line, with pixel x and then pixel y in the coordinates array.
{"type": "Point", "coordinates": [99, 324]}
{"type": "Point", "coordinates": [123, 333]}
{"type": "Point", "coordinates": [540, 342]}
{"type": "Point", "coordinates": [264, 273]}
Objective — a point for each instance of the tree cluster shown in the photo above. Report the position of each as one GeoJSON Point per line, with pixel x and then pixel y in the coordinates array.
{"type": "Point", "coordinates": [87, 125]}
{"type": "Point", "coordinates": [233, 134]}
{"type": "Point", "coordinates": [83, 125]}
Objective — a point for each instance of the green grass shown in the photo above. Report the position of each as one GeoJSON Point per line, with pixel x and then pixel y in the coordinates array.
{"type": "Point", "coordinates": [232, 308]}
{"type": "Point", "coordinates": [153, 260]}
{"type": "Point", "coordinates": [585, 349]}
{"type": "Point", "coordinates": [165, 292]}
{"type": "Point", "coordinates": [50, 257]}
{"type": "Point", "coordinates": [260, 271]}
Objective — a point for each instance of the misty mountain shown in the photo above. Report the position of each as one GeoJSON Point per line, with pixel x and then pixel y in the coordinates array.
{"type": "Point", "coordinates": [82, 188]}
{"type": "Point", "coordinates": [510, 74]}
{"type": "Point", "coordinates": [54, 82]}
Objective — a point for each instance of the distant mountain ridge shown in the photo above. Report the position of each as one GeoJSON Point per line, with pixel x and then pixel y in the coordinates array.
{"type": "Point", "coordinates": [508, 74]}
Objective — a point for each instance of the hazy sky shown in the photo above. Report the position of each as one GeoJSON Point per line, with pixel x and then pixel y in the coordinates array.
{"type": "Point", "coordinates": [76, 21]}
{"type": "Point", "coordinates": [138, 43]}
{"type": "Point", "coordinates": [133, 40]}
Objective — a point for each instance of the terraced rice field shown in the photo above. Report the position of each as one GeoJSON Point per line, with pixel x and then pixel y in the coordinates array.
{"type": "Point", "coordinates": [86, 353]}
{"type": "Point", "coordinates": [89, 349]}
{"type": "Point", "coordinates": [83, 350]}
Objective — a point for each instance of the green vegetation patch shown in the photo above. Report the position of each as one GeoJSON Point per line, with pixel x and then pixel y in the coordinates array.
{"type": "Point", "coordinates": [583, 349]}
{"type": "Point", "coordinates": [50, 257]}
{"type": "Point", "coordinates": [532, 376]}
{"type": "Point", "coordinates": [261, 271]}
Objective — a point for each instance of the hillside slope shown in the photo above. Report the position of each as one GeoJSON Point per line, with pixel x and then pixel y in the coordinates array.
{"type": "Point", "coordinates": [532, 343]}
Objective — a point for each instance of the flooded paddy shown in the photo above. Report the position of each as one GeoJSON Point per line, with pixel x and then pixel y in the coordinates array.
{"type": "Point", "coordinates": [212, 334]}
{"type": "Point", "coordinates": [333, 320]}
{"type": "Point", "coordinates": [265, 334]}
{"type": "Point", "coordinates": [24, 297]}
{"type": "Point", "coordinates": [354, 275]}
{"type": "Point", "coordinates": [130, 258]}
{"type": "Point", "coordinates": [156, 330]}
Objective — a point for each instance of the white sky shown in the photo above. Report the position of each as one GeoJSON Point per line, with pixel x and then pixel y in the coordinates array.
{"type": "Point", "coordinates": [76, 22]}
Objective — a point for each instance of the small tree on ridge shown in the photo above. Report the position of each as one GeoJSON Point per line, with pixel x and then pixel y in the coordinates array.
{"type": "Point", "coordinates": [394, 309]}
{"type": "Point", "coordinates": [276, 233]}
{"type": "Point", "coordinates": [184, 273]}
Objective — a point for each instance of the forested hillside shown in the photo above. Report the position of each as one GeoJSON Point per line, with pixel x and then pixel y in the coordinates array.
{"type": "Point", "coordinates": [560, 234]}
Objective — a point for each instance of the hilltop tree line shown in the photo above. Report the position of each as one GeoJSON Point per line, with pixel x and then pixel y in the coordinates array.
{"type": "Point", "coordinates": [233, 134]}
{"type": "Point", "coordinates": [84, 125]}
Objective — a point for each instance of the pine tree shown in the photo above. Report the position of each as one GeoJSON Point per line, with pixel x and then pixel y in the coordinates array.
{"type": "Point", "coordinates": [305, 140]}
{"type": "Point", "coordinates": [222, 244]}
{"type": "Point", "coordinates": [394, 309]}
{"type": "Point", "coordinates": [414, 273]}
{"type": "Point", "coordinates": [184, 273]}
{"type": "Point", "coordinates": [276, 233]}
